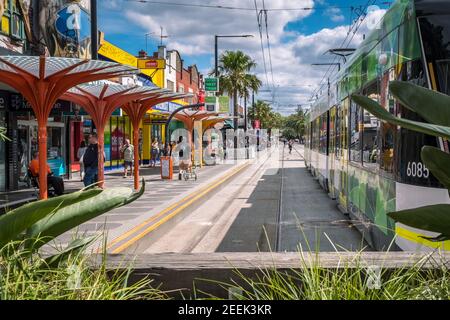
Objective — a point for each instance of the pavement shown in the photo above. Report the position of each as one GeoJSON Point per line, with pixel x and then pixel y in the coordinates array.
{"type": "Point", "coordinates": [310, 220]}
{"type": "Point", "coordinates": [289, 211]}
{"type": "Point", "coordinates": [271, 203]}
{"type": "Point", "coordinates": [159, 195]}
{"type": "Point", "coordinates": [244, 215]}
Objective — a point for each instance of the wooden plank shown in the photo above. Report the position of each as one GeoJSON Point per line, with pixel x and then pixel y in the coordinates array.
{"type": "Point", "coordinates": [181, 273]}
{"type": "Point", "coordinates": [189, 261]}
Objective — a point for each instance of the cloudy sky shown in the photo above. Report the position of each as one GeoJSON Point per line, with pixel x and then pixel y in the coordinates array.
{"type": "Point", "coordinates": [297, 38]}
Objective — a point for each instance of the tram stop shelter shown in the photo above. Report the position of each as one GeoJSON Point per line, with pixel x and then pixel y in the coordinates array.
{"type": "Point", "coordinates": [189, 119]}
{"type": "Point", "coordinates": [100, 101]}
{"type": "Point", "coordinates": [136, 110]}
{"type": "Point", "coordinates": [43, 80]}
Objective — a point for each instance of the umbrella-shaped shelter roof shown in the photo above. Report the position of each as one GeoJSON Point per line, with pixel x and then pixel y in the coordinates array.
{"type": "Point", "coordinates": [42, 80]}
{"type": "Point", "coordinates": [137, 109]}
{"type": "Point", "coordinates": [101, 99]}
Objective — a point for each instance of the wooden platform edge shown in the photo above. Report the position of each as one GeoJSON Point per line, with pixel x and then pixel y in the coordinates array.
{"type": "Point", "coordinates": [193, 274]}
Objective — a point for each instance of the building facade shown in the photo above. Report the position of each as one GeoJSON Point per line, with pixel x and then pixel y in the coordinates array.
{"type": "Point", "coordinates": [46, 27]}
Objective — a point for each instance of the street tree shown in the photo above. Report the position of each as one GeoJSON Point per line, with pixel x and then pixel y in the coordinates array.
{"type": "Point", "coordinates": [267, 117]}
{"type": "Point", "coordinates": [235, 76]}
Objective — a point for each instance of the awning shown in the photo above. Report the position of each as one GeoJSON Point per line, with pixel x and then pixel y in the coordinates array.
{"type": "Point", "coordinates": [7, 52]}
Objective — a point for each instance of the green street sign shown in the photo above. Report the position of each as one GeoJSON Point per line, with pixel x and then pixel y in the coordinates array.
{"type": "Point", "coordinates": [210, 99]}
{"type": "Point", "coordinates": [212, 84]}
{"type": "Point", "coordinates": [224, 104]}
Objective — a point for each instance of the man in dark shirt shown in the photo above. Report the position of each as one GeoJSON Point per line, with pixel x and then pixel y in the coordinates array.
{"type": "Point", "coordinates": [90, 161]}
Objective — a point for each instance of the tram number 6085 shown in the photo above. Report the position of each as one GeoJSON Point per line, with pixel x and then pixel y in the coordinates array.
{"type": "Point", "coordinates": [417, 170]}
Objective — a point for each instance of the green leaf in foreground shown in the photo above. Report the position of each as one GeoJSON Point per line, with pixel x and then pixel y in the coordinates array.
{"type": "Point", "coordinates": [438, 162]}
{"type": "Point", "coordinates": [431, 105]}
{"type": "Point", "coordinates": [434, 218]}
{"type": "Point", "coordinates": [74, 215]}
{"type": "Point", "coordinates": [16, 221]}
{"type": "Point", "coordinates": [72, 247]}
{"type": "Point", "coordinates": [378, 111]}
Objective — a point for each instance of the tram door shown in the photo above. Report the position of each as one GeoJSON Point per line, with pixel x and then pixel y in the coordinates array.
{"type": "Point", "coordinates": [331, 153]}
{"type": "Point", "coordinates": [343, 153]}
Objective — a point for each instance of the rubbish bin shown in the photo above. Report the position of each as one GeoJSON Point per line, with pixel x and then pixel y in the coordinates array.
{"type": "Point", "coordinates": [166, 167]}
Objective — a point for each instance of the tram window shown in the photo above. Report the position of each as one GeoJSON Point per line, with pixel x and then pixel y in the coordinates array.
{"type": "Point", "coordinates": [355, 132]}
{"type": "Point", "coordinates": [370, 151]}
{"type": "Point", "coordinates": [323, 134]}
{"type": "Point", "coordinates": [387, 130]}
{"type": "Point", "coordinates": [315, 135]}
{"type": "Point", "coordinates": [410, 168]}
{"type": "Point", "coordinates": [332, 133]}
{"type": "Point", "coordinates": [436, 37]}
{"type": "Point", "coordinates": [338, 132]}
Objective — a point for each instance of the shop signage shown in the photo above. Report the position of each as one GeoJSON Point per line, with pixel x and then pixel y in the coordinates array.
{"type": "Point", "coordinates": [212, 84]}
{"type": "Point", "coordinates": [18, 103]}
{"type": "Point", "coordinates": [73, 23]}
{"type": "Point", "coordinates": [116, 54]}
{"type": "Point", "coordinates": [211, 103]}
{"type": "Point", "coordinates": [166, 106]}
{"type": "Point", "coordinates": [224, 104]}
{"type": "Point", "coordinates": [151, 63]}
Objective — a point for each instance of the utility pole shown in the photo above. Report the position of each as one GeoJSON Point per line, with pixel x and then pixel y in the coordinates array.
{"type": "Point", "coordinates": [216, 73]}
{"type": "Point", "coordinates": [94, 30]}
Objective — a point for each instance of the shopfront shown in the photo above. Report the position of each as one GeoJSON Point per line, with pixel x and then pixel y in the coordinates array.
{"type": "Point", "coordinates": [21, 129]}
{"type": "Point", "coordinates": [117, 130]}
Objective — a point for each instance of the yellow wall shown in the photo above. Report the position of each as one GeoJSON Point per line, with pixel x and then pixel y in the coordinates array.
{"type": "Point", "coordinates": [119, 55]}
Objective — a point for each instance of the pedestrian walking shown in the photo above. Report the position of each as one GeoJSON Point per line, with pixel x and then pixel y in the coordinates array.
{"type": "Point", "coordinates": [80, 153]}
{"type": "Point", "coordinates": [290, 144]}
{"type": "Point", "coordinates": [128, 156]}
{"type": "Point", "coordinates": [90, 161]}
{"type": "Point", "coordinates": [154, 152]}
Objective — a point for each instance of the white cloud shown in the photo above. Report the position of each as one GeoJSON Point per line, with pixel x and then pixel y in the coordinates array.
{"type": "Point", "coordinates": [335, 14]}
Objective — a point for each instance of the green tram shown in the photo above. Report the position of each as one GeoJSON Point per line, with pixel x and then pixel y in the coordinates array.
{"type": "Point", "coordinates": [368, 166]}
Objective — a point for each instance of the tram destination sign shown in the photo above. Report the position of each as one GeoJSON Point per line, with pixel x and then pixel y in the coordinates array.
{"type": "Point", "coordinates": [212, 84]}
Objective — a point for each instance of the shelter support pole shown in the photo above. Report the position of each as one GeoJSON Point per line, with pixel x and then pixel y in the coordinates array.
{"type": "Point", "coordinates": [101, 152]}
{"type": "Point", "coordinates": [42, 140]}
{"type": "Point", "coordinates": [136, 153]}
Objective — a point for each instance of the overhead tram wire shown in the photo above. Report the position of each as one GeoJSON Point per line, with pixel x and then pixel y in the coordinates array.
{"type": "Point", "coordinates": [262, 44]}
{"type": "Point", "coordinates": [356, 25]}
{"type": "Point", "coordinates": [206, 6]}
{"type": "Point", "coordinates": [268, 44]}
{"type": "Point", "coordinates": [352, 31]}
{"type": "Point", "coordinates": [332, 65]}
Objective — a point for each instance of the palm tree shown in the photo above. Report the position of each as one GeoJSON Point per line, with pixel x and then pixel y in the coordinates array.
{"type": "Point", "coordinates": [235, 77]}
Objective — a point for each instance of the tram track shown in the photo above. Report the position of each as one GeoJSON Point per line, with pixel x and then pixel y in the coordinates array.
{"type": "Point", "coordinates": [249, 181]}
{"type": "Point", "coordinates": [201, 225]}
{"type": "Point", "coordinates": [280, 202]}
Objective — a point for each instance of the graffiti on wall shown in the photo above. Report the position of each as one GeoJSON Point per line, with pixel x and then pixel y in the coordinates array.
{"type": "Point", "coordinates": [65, 27]}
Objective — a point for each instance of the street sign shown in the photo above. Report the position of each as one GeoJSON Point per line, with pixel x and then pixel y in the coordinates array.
{"type": "Point", "coordinates": [211, 103]}
{"type": "Point", "coordinates": [224, 104]}
{"type": "Point", "coordinates": [212, 84]}
{"type": "Point", "coordinates": [151, 63]}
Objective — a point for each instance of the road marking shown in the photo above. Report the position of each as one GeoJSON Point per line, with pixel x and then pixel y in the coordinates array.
{"type": "Point", "coordinates": [188, 200]}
